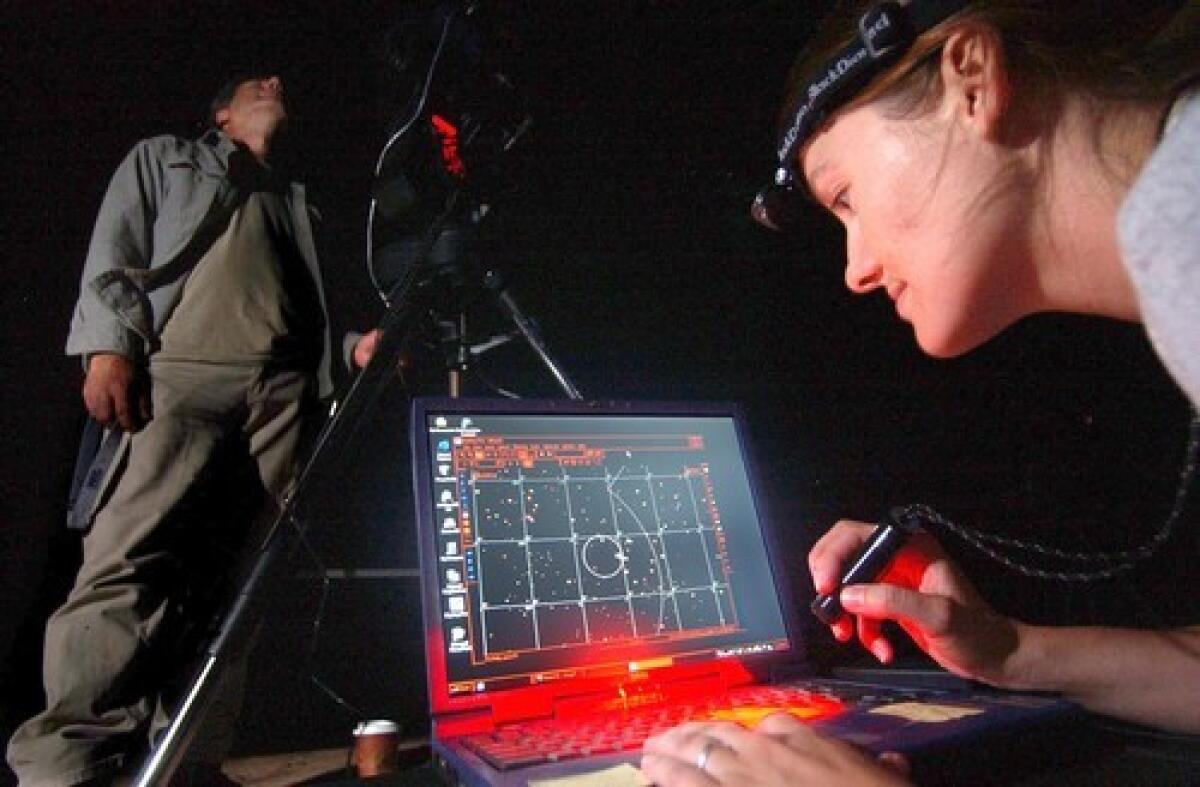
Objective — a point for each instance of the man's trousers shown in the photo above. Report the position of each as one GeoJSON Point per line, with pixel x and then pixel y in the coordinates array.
{"type": "Point", "coordinates": [201, 481]}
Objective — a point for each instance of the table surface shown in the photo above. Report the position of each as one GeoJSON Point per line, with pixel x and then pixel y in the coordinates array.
{"type": "Point", "coordinates": [1116, 755]}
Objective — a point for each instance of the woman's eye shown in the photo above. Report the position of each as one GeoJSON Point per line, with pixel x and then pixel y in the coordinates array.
{"type": "Point", "coordinates": [840, 201]}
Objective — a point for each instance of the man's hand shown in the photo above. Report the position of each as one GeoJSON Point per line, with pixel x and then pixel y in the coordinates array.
{"type": "Point", "coordinates": [365, 348]}
{"type": "Point", "coordinates": [116, 393]}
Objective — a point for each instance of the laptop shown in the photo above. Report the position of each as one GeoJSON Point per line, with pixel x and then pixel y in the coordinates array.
{"type": "Point", "coordinates": [593, 572]}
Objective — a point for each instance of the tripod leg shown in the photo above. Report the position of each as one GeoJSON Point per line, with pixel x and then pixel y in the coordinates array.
{"type": "Point", "coordinates": [528, 329]}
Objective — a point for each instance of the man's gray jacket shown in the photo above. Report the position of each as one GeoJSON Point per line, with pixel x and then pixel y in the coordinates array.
{"type": "Point", "coordinates": [157, 199]}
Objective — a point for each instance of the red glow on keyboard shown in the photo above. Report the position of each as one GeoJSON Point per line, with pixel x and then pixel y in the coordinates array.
{"type": "Point", "coordinates": [514, 746]}
{"type": "Point", "coordinates": [812, 709]}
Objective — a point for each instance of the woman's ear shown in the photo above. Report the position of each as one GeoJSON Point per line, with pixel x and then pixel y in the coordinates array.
{"type": "Point", "coordinates": [975, 78]}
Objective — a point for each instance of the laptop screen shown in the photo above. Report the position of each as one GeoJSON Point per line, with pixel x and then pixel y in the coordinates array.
{"type": "Point", "coordinates": [561, 539]}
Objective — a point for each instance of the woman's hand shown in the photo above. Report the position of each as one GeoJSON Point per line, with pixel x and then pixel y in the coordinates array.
{"type": "Point", "coordinates": [780, 751]}
{"type": "Point", "coordinates": [927, 596]}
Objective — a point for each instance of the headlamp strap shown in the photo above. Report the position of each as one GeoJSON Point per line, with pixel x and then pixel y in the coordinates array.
{"type": "Point", "coordinates": [885, 32]}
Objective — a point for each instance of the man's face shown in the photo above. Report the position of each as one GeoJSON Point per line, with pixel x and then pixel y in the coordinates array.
{"type": "Point", "coordinates": [256, 109]}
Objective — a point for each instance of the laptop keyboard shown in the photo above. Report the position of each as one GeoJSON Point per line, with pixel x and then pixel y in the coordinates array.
{"type": "Point", "coordinates": [552, 740]}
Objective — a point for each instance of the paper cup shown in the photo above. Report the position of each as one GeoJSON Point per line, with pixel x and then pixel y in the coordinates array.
{"type": "Point", "coordinates": [375, 744]}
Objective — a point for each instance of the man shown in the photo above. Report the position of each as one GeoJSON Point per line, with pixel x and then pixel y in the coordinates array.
{"type": "Point", "coordinates": [202, 326]}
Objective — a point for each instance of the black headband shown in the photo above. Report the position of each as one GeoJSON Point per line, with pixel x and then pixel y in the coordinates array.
{"type": "Point", "coordinates": [885, 32]}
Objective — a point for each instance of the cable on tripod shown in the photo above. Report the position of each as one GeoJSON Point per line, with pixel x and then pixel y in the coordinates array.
{"type": "Point", "coordinates": [437, 54]}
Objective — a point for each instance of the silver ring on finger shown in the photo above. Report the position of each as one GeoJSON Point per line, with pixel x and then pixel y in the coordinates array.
{"type": "Point", "coordinates": [705, 752]}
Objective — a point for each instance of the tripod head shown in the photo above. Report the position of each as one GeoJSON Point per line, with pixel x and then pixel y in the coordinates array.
{"type": "Point", "coordinates": [442, 167]}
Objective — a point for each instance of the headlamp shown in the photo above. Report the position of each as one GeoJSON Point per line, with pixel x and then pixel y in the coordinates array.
{"type": "Point", "coordinates": [885, 32]}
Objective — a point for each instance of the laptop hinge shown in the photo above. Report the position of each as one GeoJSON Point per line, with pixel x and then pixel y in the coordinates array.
{"type": "Point", "coordinates": [642, 686]}
{"type": "Point", "coordinates": [463, 723]}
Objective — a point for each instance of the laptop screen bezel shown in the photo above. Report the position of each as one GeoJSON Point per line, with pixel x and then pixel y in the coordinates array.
{"type": "Point", "coordinates": [440, 699]}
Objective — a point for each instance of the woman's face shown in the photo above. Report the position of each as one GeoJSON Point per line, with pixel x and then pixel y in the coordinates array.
{"type": "Point", "coordinates": [934, 215]}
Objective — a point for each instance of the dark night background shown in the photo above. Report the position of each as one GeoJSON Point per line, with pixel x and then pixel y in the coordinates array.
{"type": "Point", "coordinates": [625, 233]}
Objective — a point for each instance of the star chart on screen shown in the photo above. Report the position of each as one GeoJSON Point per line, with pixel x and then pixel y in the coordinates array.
{"type": "Point", "coordinates": [561, 542]}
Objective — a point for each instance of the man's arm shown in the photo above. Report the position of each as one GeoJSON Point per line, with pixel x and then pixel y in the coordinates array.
{"type": "Point", "coordinates": [121, 238]}
{"type": "Point", "coordinates": [114, 390]}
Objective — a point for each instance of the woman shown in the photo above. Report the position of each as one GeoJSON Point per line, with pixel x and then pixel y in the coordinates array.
{"type": "Point", "coordinates": [1018, 157]}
